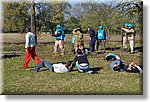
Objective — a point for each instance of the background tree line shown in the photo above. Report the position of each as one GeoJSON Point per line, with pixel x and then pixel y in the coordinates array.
{"type": "Point", "coordinates": [111, 15]}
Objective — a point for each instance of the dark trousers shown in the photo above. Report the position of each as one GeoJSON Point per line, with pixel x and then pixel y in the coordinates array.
{"type": "Point", "coordinates": [98, 43]}
{"type": "Point", "coordinates": [92, 44]}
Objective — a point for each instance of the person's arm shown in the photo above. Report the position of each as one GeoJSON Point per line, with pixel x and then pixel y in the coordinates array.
{"type": "Point", "coordinates": [127, 30]}
{"type": "Point", "coordinates": [73, 64]}
{"type": "Point", "coordinates": [27, 40]}
{"type": "Point", "coordinates": [104, 35]}
{"type": "Point", "coordinates": [96, 34]}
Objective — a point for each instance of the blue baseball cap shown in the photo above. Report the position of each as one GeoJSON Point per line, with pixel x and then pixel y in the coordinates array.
{"type": "Point", "coordinates": [126, 24]}
{"type": "Point", "coordinates": [130, 25]}
{"type": "Point", "coordinates": [58, 26]}
{"type": "Point", "coordinates": [101, 27]}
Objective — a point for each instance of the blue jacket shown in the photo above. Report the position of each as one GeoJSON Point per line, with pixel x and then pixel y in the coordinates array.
{"type": "Point", "coordinates": [101, 34]}
{"type": "Point", "coordinates": [61, 36]}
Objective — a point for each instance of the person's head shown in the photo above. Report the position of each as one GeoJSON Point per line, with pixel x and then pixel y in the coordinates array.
{"type": "Point", "coordinates": [100, 27]}
{"type": "Point", "coordinates": [129, 68]}
{"type": "Point", "coordinates": [79, 51]}
{"type": "Point", "coordinates": [28, 29]}
{"type": "Point", "coordinates": [68, 63]}
{"type": "Point", "coordinates": [59, 26]}
{"type": "Point", "coordinates": [126, 25]}
{"type": "Point", "coordinates": [130, 26]}
{"type": "Point", "coordinates": [89, 28]}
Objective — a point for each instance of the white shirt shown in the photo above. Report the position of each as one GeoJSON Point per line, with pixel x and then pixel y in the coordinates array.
{"type": "Point", "coordinates": [60, 68]}
{"type": "Point", "coordinates": [30, 40]}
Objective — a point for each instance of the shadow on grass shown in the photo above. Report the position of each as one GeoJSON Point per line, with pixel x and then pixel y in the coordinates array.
{"type": "Point", "coordinates": [138, 49]}
{"type": "Point", "coordinates": [45, 43]}
{"type": "Point", "coordinates": [113, 48]}
{"type": "Point", "coordinates": [95, 69]}
{"type": "Point", "coordinates": [10, 56]}
{"type": "Point", "coordinates": [102, 52]}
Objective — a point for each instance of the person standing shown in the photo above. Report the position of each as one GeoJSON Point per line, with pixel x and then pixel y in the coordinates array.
{"type": "Point", "coordinates": [59, 39]}
{"type": "Point", "coordinates": [101, 37]}
{"type": "Point", "coordinates": [130, 36]}
{"type": "Point", "coordinates": [124, 37]}
{"type": "Point", "coordinates": [72, 44]}
{"type": "Point", "coordinates": [78, 42]}
{"type": "Point", "coordinates": [30, 48]}
{"type": "Point", "coordinates": [92, 39]}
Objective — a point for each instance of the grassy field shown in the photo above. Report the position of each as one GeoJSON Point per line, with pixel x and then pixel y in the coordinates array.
{"type": "Point", "coordinates": [20, 81]}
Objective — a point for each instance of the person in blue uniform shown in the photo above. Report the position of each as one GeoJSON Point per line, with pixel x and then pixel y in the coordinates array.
{"type": "Point", "coordinates": [101, 37]}
{"type": "Point", "coordinates": [59, 39]}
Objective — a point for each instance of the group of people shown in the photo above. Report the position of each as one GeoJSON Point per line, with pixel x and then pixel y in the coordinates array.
{"type": "Point", "coordinates": [128, 36]}
{"type": "Point", "coordinates": [99, 36]}
{"type": "Point", "coordinates": [116, 64]}
{"type": "Point", "coordinates": [80, 59]}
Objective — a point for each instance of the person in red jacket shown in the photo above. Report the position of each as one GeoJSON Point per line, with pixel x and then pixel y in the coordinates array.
{"type": "Point", "coordinates": [30, 48]}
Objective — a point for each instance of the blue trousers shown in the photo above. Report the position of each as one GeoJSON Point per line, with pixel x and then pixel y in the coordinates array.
{"type": "Point", "coordinates": [121, 67]}
{"type": "Point", "coordinates": [82, 69]}
{"type": "Point", "coordinates": [43, 64]}
{"type": "Point", "coordinates": [92, 44]}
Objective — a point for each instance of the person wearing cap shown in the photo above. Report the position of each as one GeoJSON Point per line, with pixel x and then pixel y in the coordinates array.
{"type": "Point", "coordinates": [130, 36]}
{"type": "Point", "coordinates": [78, 39]}
{"type": "Point", "coordinates": [101, 37]}
{"type": "Point", "coordinates": [30, 45]}
{"type": "Point", "coordinates": [124, 37]}
{"type": "Point", "coordinates": [59, 39]}
{"type": "Point", "coordinates": [92, 39]}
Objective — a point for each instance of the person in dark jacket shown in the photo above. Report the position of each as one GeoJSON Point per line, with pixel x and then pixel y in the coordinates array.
{"type": "Point", "coordinates": [82, 63]}
{"type": "Point", "coordinates": [92, 39]}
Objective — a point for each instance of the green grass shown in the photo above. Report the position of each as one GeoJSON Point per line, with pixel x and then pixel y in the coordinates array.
{"type": "Point", "coordinates": [20, 81]}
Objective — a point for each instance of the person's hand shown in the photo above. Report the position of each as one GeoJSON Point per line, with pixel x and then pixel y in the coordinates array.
{"type": "Point", "coordinates": [26, 49]}
{"type": "Point", "coordinates": [62, 42]}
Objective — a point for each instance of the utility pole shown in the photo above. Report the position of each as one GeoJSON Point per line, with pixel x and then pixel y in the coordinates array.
{"type": "Point", "coordinates": [33, 19]}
